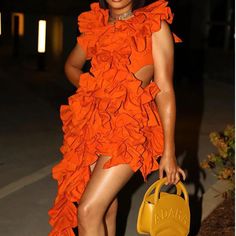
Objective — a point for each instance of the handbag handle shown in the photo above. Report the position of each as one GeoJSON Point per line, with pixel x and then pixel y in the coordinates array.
{"type": "Point", "coordinates": [153, 186]}
{"type": "Point", "coordinates": [180, 186]}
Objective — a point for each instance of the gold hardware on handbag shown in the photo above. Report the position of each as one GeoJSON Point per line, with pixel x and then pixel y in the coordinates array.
{"type": "Point", "coordinates": [163, 213]}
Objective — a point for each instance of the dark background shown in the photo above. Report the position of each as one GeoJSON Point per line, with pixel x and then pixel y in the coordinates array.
{"type": "Point", "coordinates": [206, 27]}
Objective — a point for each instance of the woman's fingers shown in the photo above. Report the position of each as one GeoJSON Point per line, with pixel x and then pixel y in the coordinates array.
{"type": "Point", "coordinates": [177, 178]}
{"type": "Point", "coordinates": [182, 172]}
{"type": "Point", "coordinates": [174, 177]}
{"type": "Point", "coordinates": [160, 173]}
{"type": "Point", "coordinates": [170, 178]}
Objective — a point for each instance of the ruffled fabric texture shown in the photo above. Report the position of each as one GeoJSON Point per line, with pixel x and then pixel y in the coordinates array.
{"type": "Point", "coordinates": [146, 20]}
{"type": "Point", "coordinates": [110, 113]}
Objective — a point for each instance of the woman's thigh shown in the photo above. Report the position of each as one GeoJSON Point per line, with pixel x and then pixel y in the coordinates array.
{"type": "Point", "coordinates": [105, 184]}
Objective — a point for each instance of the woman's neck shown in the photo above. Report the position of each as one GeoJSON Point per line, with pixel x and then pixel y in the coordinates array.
{"type": "Point", "coordinates": [114, 13]}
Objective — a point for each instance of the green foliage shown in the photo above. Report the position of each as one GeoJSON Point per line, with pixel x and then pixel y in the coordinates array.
{"type": "Point", "coordinates": [222, 163]}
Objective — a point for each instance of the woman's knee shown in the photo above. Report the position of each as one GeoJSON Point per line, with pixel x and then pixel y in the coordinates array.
{"type": "Point", "coordinates": [89, 214]}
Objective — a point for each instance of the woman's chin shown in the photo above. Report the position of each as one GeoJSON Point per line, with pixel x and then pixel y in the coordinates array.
{"type": "Point", "coordinates": [118, 4]}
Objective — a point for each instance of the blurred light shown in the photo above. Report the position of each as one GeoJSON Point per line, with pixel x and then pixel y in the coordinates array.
{"type": "Point", "coordinates": [42, 36]}
{"type": "Point", "coordinates": [57, 36]}
{"type": "Point", "coordinates": [21, 23]}
{"type": "Point", "coordinates": [0, 23]}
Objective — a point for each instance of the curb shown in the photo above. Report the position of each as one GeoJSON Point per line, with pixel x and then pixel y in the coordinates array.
{"type": "Point", "coordinates": [212, 197]}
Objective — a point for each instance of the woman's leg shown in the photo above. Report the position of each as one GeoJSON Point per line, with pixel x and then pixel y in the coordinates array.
{"type": "Point", "coordinates": [110, 218]}
{"type": "Point", "coordinates": [100, 192]}
{"type": "Point", "coordinates": [110, 215]}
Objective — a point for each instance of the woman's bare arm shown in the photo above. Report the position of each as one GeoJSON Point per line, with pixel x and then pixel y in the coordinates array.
{"type": "Point", "coordinates": [74, 65]}
{"type": "Point", "coordinates": [163, 56]}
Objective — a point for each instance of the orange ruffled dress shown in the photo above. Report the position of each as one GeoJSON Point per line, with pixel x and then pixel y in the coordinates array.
{"type": "Point", "coordinates": [110, 113]}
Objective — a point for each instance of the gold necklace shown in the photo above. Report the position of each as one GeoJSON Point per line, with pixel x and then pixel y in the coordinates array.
{"type": "Point", "coordinates": [121, 16]}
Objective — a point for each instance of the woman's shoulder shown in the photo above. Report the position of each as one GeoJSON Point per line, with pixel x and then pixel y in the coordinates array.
{"type": "Point", "coordinates": [92, 19]}
{"type": "Point", "coordinates": [153, 13]}
{"type": "Point", "coordinates": [146, 19]}
{"type": "Point", "coordinates": [150, 16]}
{"type": "Point", "coordinates": [157, 6]}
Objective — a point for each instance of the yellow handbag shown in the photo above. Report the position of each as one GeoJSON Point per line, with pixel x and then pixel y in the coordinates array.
{"type": "Point", "coordinates": [163, 213]}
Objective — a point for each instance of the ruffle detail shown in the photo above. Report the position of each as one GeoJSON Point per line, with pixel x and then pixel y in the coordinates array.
{"type": "Point", "coordinates": [146, 20]}
{"type": "Point", "coordinates": [92, 20]}
{"type": "Point", "coordinates": [91, 26]}
{"type": "Point", "coordinates": [154, 13]}
{"type": "Point", "coordinates": [118, 119]}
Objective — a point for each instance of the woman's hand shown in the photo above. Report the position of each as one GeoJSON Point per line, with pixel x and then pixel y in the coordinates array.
{"type": "Point", "coordinates": [170, 166]}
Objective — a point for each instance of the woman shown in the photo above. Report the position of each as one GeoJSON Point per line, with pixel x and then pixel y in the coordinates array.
{"type": "Point", "coordinates": [121, 116]}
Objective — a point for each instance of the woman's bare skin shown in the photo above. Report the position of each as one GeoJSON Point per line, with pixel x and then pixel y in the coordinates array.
{"type": "Point", "coordinates": [98, 206]}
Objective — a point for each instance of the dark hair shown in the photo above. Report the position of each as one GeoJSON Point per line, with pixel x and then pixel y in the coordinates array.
{"type": "Point", "coordinates": [136, 4]}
